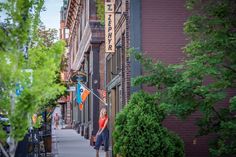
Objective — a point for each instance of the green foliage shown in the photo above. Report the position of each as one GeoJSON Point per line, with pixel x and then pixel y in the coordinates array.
{"type": "Point", "coordinates": [47, 36]}
{"type": "Point", "coordinates": [21, 18]}
{"type": "Point", "coordinates": [203, 80]}
{"type": "Point", "coordinates": [39, 122]}
{"type": "Point", "coordinates": [225, 144]}
{"type": "Point", "coordinates": [2, 135]}
{"type": "Point", "coordinates": [233, 104]}
{"type": "Point", "coordinates": [38, 75]}
{"type": "Point", "coordinates": [100, 10]}
{"type": "Point", "coordinates": [138, 127]}
{"type": "Point", "coordinates": [212, 57]}
{"type": "Point", "coordinates": [45, 64]}
{"type": "Point", "coordinates": [190, 3]}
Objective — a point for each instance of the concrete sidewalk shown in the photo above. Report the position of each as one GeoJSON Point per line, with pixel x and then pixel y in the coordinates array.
{"type": "Point", "coordinates": [67, 143]}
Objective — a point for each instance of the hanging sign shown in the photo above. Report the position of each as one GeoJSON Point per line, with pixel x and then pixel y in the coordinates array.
{"type": "Point", "coordinates": [110, 27]}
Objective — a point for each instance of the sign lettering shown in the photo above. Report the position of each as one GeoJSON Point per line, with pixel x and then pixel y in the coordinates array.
{"type": "Point", "coordinates": [109, 27]}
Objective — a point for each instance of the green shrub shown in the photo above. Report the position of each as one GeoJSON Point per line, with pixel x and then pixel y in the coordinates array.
{"type": "Point", "coordinates": [139, 133]}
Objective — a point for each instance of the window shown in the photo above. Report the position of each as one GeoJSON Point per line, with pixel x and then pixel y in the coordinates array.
{"type": "Point", "coordinates": [85, 13]}
{"type": "Point", "coordinates": [118, 53]}
{"type": "Point", "coordinates": [120, 97]}
{"type": "Point", "coordinates": [114, 65]}
{"type": "Point", "coordinates": [108, 69]}
{"type": "Point", "coordinates": [77, 40]}
{"type": "Point", "coordinates": [80, 28]}
{"type": "Point", "coordinates": [83, 17]}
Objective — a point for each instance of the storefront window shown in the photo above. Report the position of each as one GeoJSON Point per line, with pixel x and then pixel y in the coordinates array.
{"type": "Point", "coordinates": [108, 69]}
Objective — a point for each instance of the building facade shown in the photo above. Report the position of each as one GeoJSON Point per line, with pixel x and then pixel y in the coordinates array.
{"type": "Point", "coordinates": [63, 35]}
{"type": "Point", "coordinates": [86, 56]}
{"type": "Point", "coordinates": [117, 64]}
{"type": "Point", "coordinates": [156, 28]}
{"type": "Point", "coordinates": [153, 27]}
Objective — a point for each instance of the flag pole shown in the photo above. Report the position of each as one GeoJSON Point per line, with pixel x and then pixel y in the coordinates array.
{"type": "Point", "coordinates": [94, 94]}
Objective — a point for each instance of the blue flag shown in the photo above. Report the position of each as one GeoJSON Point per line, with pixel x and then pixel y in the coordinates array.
{"type": "Point", "coordinates": [78, 95]}
{"type": "Point", "coordinates": [81, 94]}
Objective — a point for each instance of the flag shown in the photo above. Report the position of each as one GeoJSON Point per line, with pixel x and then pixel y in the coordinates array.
{"type": "Point", "coordinates": [82, 93]}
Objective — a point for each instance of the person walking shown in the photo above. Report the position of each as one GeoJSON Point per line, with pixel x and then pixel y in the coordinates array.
{"type": "Point", "coordinates": [103, 133]}
{"type": "Point", "coordinates": [56, 121]}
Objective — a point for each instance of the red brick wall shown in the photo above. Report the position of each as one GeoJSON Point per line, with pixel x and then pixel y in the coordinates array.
{"type": "Point", "coordinates": [162, 29]}
{"type": "Point", "coordinates": [163, 38]}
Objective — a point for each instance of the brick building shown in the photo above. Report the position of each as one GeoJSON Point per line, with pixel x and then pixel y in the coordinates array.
{"type": "Point", "coordinates": [156, 28]}
{"type": "Point", "coordinates": [85, 55]}
{"type": "Point", "coordinates": [153, 27]}
{"type": "Point", "coordinates": [117, 64]}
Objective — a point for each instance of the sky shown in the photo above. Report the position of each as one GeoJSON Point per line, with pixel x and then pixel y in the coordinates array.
{"type": "Point", "coordinates": [51, 17]}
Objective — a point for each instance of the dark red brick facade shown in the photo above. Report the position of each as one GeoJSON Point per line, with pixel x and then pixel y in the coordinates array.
{"type": "Point", "coordinates": [163, 38]}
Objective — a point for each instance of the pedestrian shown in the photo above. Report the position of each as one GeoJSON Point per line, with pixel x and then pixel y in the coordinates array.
{"type": "Point", "coordinates": [103, 133]}
{"type": "Point", "coordinates": [56, 121]}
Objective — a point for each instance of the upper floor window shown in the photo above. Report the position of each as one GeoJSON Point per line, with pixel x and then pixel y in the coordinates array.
{"type": "Point", "coordinates": [108, 69]}
{"type": "Point", "coordinates": [80, 28]}
{"type": "Point", "coordinates": [118, 56]}
{"type": "Point", "coordinates": [114, 65]}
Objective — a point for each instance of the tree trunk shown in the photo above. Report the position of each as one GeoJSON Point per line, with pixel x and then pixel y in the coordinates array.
{"type": "Point", "coordinates": [11, 141]}
{"type": "Point", "coordinates": [12, 146]}
{"type": "Point", "coordinates": [3, 150]}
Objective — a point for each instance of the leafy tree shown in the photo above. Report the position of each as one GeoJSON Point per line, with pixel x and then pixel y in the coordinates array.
{"type": "Point", "coordinates": [44, 62]}
{"type": "Point", "coordinates": [35, 79]}
{"type": "Point", "coordinates": [139, 132]}
{"type": "Point", "coordinates": [204, 80]}
{"type": "Point", "coordinates": [100, 10]}
{"type": "Point", "coordinates": [48, 36]}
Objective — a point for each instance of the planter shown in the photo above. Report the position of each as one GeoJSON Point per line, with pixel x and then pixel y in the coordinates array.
{"type": "Point", "coordinates": [47, 140]}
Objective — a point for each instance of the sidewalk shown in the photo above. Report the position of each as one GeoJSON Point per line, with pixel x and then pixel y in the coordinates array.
{"type": "Point", "coordinates": [67, 143]}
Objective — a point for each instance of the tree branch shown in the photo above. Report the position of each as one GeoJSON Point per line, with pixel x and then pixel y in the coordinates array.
{"type": "Point", "coordinates": [228, 67]}
{"type": "Point", "coordinates": [217, 114]}
{"type": "Point", "coordinates": [3, 150]}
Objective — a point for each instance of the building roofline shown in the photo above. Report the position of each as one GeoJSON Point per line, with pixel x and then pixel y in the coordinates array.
{"type": "Point", "coordinates": [67, 12]}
